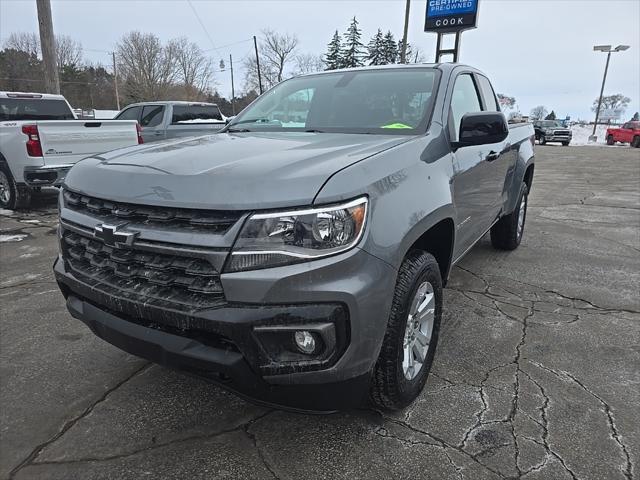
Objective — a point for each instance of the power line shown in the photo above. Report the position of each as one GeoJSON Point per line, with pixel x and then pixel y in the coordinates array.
{"type": "Point", "coordinates": [193, 9]}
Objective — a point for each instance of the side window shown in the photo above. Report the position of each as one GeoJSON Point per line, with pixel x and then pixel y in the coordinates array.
{"type": "Point", "coordinates": [489, 96]}
{"type": "Point", "coordinates": [464, 100]}
{"type": "Point", "coordinates": [152, 116]}
{"type": "Point", "coordinates": [131, 113]}
{"type": "Point", "coordinates": [627, 126]}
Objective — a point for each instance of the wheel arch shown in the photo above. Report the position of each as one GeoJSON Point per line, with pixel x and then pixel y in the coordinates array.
{"type": "Point", "coordinates": [438, 240]}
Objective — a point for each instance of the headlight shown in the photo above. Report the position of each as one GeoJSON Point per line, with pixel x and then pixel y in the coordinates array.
{"type": "Point", "coordinates": [282, 238]}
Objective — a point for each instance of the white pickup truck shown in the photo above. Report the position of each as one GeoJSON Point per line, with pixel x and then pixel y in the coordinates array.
{"type": "Point", "coordinates": [40, 140]}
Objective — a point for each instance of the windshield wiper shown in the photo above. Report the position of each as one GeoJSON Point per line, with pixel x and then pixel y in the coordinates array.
{"type": "Point", "coordinates": [253, 120]}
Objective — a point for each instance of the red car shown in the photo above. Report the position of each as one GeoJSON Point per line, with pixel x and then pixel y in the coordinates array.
{"type": "Point", "coordinates": [628, 133]}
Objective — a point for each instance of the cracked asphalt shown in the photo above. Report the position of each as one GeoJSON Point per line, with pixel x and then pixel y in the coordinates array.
{"type": "Point", "coordinates": [537, 374]}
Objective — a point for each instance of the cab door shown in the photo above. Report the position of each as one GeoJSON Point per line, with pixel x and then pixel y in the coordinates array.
{"type": "Point", "coordinates": [152, 123]}
{"type": "Point", "coordinates": [475, 187]}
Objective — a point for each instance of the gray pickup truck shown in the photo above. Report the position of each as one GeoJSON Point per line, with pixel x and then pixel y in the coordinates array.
{"type": "Point", "coordinates": [299, 257]}
{"type": "Point", "coordinates": [174, 119]}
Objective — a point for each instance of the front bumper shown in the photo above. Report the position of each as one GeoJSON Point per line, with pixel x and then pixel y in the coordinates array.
{"type": "Point", "coordinates": [557, 138]}
{"type": "Point", "coordinates": [352, 291]}
{"type": "Point", "coordinates": [52, 175]}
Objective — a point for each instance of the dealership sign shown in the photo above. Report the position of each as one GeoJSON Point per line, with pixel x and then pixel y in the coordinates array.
{"type": "Point", "coordinates": [445, 16]}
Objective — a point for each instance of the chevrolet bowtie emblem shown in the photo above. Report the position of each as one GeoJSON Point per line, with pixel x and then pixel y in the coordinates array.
{"type": "Point", "coordinates": [110, 235]}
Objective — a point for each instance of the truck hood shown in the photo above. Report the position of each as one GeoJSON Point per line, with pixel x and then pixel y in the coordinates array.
{"type": "Point", "coordinates": [226, 171]}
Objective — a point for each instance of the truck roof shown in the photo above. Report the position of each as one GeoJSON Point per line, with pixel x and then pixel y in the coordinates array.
{"type": "Point", "coordinates": [171, 102]}
{"type": "Point", "coordinates": [32, 95]}
{"type": "Point", "coordinates": [445, 67]}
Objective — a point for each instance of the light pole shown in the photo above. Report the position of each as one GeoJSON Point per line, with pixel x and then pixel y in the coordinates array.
{"type": "Point", "coordinates": [607, 49]}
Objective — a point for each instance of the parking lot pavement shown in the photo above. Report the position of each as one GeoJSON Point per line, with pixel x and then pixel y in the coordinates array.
{"type": "Point", "coordinates": [536, 375]}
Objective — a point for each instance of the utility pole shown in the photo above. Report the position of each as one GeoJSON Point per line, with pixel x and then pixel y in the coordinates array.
{"type": "Point", "coordinates": [48, 46]}
{"type": "Point", "coordinates": [115, 79]}
{"type": "Point", "coordinates": [608, 50]}
{"type": "Point", "coordinates": [255, 45]}
{"type": "Point", "coordinates": [233, 91]}
{"type": "Point", "coordinates": [403, 53]}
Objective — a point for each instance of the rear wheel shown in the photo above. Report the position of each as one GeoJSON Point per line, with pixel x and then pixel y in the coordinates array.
{"type": "Point", "coordinates": [636, 141]}
{"type": "Point", "coordinates": [610, 140]}
{"type": "Point", "coordinates": [412, 333]}
{"type": "Point", "coordinates": [507, 233]}
{"type": "Point", "coordinates": [12, 195]}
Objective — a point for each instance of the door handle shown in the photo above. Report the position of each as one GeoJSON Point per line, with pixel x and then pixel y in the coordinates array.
{"type": "Point", "coordinates": [492, 156]}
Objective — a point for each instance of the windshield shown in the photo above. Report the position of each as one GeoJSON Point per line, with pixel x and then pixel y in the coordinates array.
{"type": "Point", "coordinates": [551, 123]}
{"type": "Point", "coordinates": [389, 101]}
{"type": "Point", "coordinates": [34, 109]}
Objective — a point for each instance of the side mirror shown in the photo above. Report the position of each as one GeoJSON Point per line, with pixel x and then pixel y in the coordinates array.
{"type": "Point", "coordinates": [482, 128]}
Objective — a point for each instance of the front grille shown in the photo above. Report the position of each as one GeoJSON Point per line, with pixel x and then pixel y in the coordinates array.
{"type": "Point", "coordinates": [169, 280]}
{"type": "Point", "coordinates": [205, 221]}
{"type": "Point", "coordinates": [561, 133]}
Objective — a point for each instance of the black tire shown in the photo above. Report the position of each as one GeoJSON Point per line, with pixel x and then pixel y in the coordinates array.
{"type": "Point", "coordinates": [12, 195]}
{"type": "Point", "coordinates": [390, 389]}
{"type": "Point", "coordinates": [542, 140]}
{"type": "Point", "coordinates": [566, 144]}
{"type": "Point", "coordinates": [505, 234]}
{"type": "Point", "coordinates": [610, 140]}
{"type": "Point", "coordinates": [636, 141]}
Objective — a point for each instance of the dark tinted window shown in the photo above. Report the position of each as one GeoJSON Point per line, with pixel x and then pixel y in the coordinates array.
{"type": "Point", "coordinates": [464, 100]}
{"type": "Point", "coordinates": [195, 114]}
{"type": "Point", "coordinates": [34, 109]}
{"type": "Point", "coordinates": [132, 113]}
{"type": "Point", "coordinates": [152, 115]}
{"type": "Point", "coordinates": [489, 96]}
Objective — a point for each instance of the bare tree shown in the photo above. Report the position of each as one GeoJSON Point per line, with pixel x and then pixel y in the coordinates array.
{"type": "Point", "coordinates": [308, 63]}
{"type": "Point", "coordinates": [194, 69]}
{"type": "Point", "coordinates": [24, 42]}
{"type": "Point", "coordinates": [539, 112]}
{"type": "Point", "coordinates": [276, 52]}
{"type": "Point", "coordinates": [148, 68]}
{"type": "Point", "coordinates": [68, 51]}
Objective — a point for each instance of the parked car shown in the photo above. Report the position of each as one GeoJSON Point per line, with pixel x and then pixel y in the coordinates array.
{"type": "Point", "coordinates": [552, 131]}
{"type": "Point", "coordinates": [300, 265]}
{"type": "Point", "coordinates": [628, 133]}
{"type": "Point", "coordinates": [40, 139]}
{"type": "Point", "coordinates": [162, 120]}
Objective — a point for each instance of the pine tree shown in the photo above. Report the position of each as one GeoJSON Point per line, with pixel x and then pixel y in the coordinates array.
{"type": "Point", "coordinates": [636, 117]}
{"type": "Point", "coordinates": [390, 49]}
{"type": "Point", "coordinates": [376, 50]}
{"type": "Point", "coordinates": [333, 58]}
{"type": "Point", "coordinates": [551, 116]}
{"type": "Point", "coordinates": [352, 54]}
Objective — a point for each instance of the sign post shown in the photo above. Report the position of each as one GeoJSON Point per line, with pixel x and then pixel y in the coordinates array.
{"type": "Point", "coordinates": [450, 17]}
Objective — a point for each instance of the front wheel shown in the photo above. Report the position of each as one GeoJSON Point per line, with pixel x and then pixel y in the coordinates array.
{"type": "Point", "coordinates": [636, 141]}
{"type": "Point", "coordinates": [412, 333]}
{"type": "Point", "coordinates": [507, 233]}
{"type": "Point", "coordinates": [542, 140]}
{"type": "Point", "coordinates": [565, 144]}
{"type": "Point", "coordinates": [610, 140]}
{"type": "Point", "coordinates": [12, 195]}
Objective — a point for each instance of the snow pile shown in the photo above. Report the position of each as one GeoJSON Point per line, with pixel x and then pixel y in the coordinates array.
{"type": "Point", "coordinates": [5, 212]}
{"type": "Point", "coordinates": [581, 134]}
{"type": "Point", "coordinates": [12, 238]}
{"type": "Point", "coordinates": [105, 114]}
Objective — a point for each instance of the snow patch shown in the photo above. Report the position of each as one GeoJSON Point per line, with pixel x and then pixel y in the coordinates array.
{"type": "Point", "coordinates": [30, 221]}
{"type": "Point", "coordinates": [5, 212]}
{"type": "Point", "coordinates": [581, 134]}
{"type": "Point", "coordinates": [12, 238]}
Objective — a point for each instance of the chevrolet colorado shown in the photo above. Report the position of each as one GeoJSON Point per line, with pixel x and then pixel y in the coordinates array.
{"type": "Point", "coordinates": [40, 139]}
{"type": "Point", "coordinates": [299, 263]}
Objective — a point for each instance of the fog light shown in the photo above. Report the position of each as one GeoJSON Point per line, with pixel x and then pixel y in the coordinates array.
{"type": "Point", "coordinates": [305, 341]}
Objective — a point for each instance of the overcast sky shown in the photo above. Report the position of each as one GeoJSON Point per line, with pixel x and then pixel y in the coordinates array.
{"type": "Point", "coordinates": [539, 51]}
